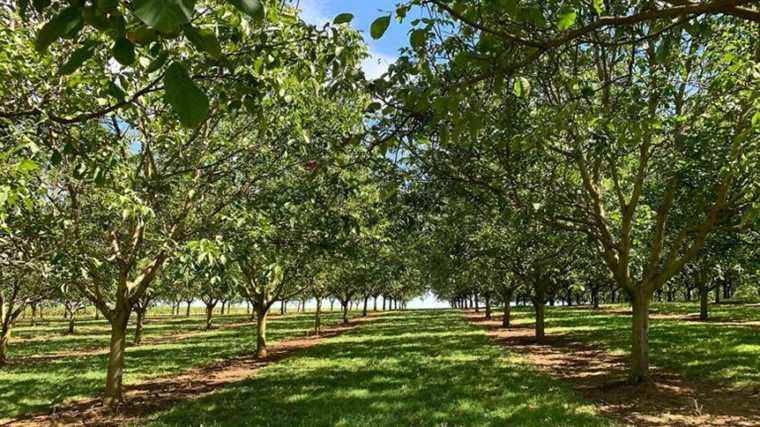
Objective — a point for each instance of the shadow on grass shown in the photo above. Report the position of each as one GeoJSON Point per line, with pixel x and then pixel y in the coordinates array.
{"type": "Point", "coordinates": [416, 368]}
{"type": "Point", "coordinates": [41, 385]}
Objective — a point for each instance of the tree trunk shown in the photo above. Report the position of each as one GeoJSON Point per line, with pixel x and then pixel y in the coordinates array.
{"type": "Point", "coordinates": [34, 314]}
{"type": "Point", "coordinates": [139, 325]}
{"type": "Point", "coordinates": [539, 306]}
{"type": "Point", "coordinates": [703, 300]}
{"type": "Point", "coordinates": [209, 314]}
{"type": "Point", "coordinates": [477, 304]}
{"type": "Point", "coordinates": [595, 298]}
{"type": "Point", "coordinates": [505, 319]}
{"type": "Point", "coordinates": [115, 375]}
{"type": "Point", "coordinates": [187, 312]}
{"type": "Point", "coordinates": [375, 307]}
{"type": "Point", "coordinates": [5, 337]}
{"type": "Point", "coordinates": [70, 331]}
{"type": "Point", "coordinates": [345, 311]}
{"type": "Point", "coordinates": [640, 341]}
{"type": "Point", "coordinates": [364, 311]}
{"type": "Point", "coordinates": [717, 295]}
{"type": "Point", "coordinates": [488, 306]}
{"type": "Point", "coordinates": [384, 302]}
{"type": "Point", "coordinates": [261, 332]}
{"type": "Point", "coordinates": [317, 314]}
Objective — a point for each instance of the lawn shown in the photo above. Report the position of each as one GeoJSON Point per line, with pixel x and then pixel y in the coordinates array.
{"type": "Point", "coordinates": [726, 353]}
{"type": "Point", "coordinates": [411, 368]}
{"type": "Point", "coordinates": [76, 366]}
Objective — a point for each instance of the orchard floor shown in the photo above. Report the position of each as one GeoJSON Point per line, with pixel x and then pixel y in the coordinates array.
{"type": "Point", "coordinates": [426, 367]}
{"type": "Point", "coordinates": [705, 373]}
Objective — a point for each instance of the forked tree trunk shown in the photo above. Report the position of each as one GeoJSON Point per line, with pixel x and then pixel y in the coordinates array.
{"type": "Point", "coordinates": [640, 341]}
{"type": "Point", "coordinates": [261, 332]}
{"type": "Point", "coordinates": [115, 375]}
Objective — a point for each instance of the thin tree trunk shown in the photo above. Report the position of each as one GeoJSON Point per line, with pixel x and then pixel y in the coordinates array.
{"type": "Point", "coordinates": [209, 315]}
{"type": "Point", "coordinates": [5, 337]}
{"type": "Point", "coordinates": [139, 325]}
{"type": "Point", "coordinates": [375, 304]}
{"type": "Point", "coordinates": [345, 311]}
{"type": "Point", "coordinates": [317, 316]}
{"type": "Point", "coordinates": [364, 311]}
{"type": "Point", "coordinates": [70, 331]}
{"type": "Point", "coordinates": [187, 312]}
{"type": "Point", "coordinates": [261, 332]}
{"type": "Point", "coordinates": [640, 341]}
{"type": "Point", "coordinates": [539, 307]}
{"type": "Point", "coordinates": [477, 304]}
{"type": "Point", "coordinates": [115, 375]}
{"type": "Point", "coordinates": [488, 306]}
{"type": "Point", "coordinates": [703, 300]}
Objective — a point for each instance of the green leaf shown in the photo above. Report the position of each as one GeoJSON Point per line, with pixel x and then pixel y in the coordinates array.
{"type": "Point", "coordinates": [65, 24]}
{"type": "Point", "coordinates": [27, 166]}
{"type": "Point", "coordinates": [186, 98]}
{"type": "Point", "coordinates": [124, 51]}
{"type": "Point", "coordinates": [253, 8]}
{"type": "Point", "coordinates": [158, 62]}
{"type": "Point", "coordinates": [418, 38]}
{"type": "Point", "coordinates": [566, 20]}
{"type": "Point", "coordinates": [380, 26]}
{"type": "Point", "coordinates": [78, 57]}
{"type": "Point", "coordinates": [510, 7]}
{"type": "Point", "coordinates": [164, 15]}
{"type": "Point", "coordinates": [343, 18]}
{"type": "Point", "coordinates": [522, 87]}
{"type": "Point", "coordinates": [599, 7]}
{"type": "Point", "coordinates": [203, 40]}
{"type": "Point", "coordinates": [756, 120]}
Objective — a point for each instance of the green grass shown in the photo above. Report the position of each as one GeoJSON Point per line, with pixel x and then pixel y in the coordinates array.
{"type": "Point", "coordinates": [36, 385]}
{"type": "Point", "coordinates": [414, 368]}
{"type": "Point", "coordinates": [726, 354]}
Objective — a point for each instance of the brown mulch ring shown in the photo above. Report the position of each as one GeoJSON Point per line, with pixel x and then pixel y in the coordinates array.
{"type": "Point", "coordinates": [670, 400]}
{"type": "Point", "coordinates": [153, 396]}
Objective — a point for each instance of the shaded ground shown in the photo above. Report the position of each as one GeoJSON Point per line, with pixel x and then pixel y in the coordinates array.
{"type": "Point", "coordinates": [72, 368]}
{"type": "Point", "coordinates": [600, 376]}
{"type": "Point", "coordinates": [421, 368]}
{"type": "Point", "coordinates": [149, 397]}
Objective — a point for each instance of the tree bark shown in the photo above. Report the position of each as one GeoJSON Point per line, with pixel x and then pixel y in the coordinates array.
{"type": "Point", "coordinates": [5, 337]}
{"type": "Point", "coordinates": [317, 316]}
{"type": "Point", "coordinates": [477, 304]}
{"type": "Point", "coordinates": [703, 300]}
{"type": "Point", "coordinates": [375, 307]}
{"type": "Point", "coordinates": [115, 375]}
{"type": "Point", "coordinates": [187, 312]}
{"type": "Point", "coordinates": [364, 311]}
{"type": "Point", "coordinates": [488, 306]}
{"type": "Point", "coordinates": [539, 306]}
{"type": "Point", "coordinates": [345, 311]}
{"type": "Point", "coordinates": [209, 315]}
{"type": "Point", "coordinates": [640, 341]}
{"type": "Point", "coordinates": [70, 331]}
{"type": "Point", "coordinates": [140, 314]}
{"type": "Point", "coordinates": [261, 332]}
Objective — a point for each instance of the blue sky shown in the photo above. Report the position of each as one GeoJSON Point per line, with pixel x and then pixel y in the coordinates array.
{"type": "Point", "coordinates": [383, 51]}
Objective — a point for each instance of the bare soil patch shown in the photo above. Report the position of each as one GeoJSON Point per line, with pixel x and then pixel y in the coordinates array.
{"type": "Point", "coordinates": [670, 400]}
{"type": "Point", "coordinates": [149, 397]}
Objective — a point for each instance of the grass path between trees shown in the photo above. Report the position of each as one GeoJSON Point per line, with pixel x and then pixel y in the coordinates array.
{"type": "Point", "coordinates": [421, 368]}
{"type": "Point", "coordinates": [705, 373]}
{"type": "Point", "coordinates": [49, 370]}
